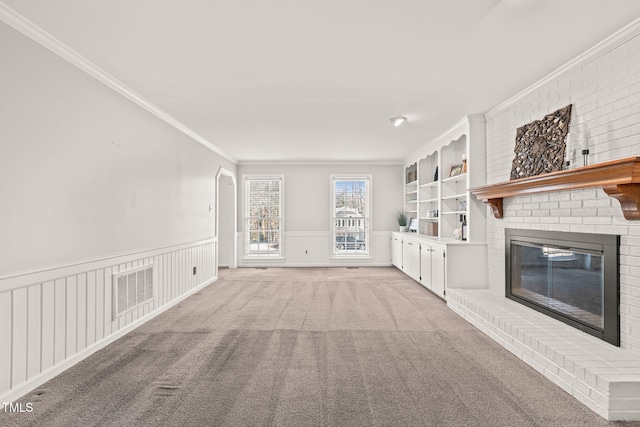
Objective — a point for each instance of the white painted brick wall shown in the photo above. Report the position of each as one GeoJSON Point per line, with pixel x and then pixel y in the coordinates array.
{"type": "Point", "coordinates": [605, 93]}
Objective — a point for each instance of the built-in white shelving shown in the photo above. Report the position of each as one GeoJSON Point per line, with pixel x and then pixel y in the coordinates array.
{"type": "Point", "coordinates": [438, 178]}
{"type": "Point", "coordinates": [437, 183]}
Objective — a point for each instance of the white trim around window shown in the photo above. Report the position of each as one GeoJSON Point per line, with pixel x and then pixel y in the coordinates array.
{"type": "Point", "coordinates": [263, 216]}
{"type": "Point", "coordinates": [350, 213]}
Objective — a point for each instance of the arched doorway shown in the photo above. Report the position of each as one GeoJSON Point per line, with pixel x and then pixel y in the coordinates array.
{"type": "Point", "coordinates": [226, 218]}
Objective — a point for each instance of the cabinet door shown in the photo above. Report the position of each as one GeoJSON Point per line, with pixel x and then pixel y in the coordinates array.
{"type": "Point", "coordinates": [425, 265]}
{"type": "Point", "coordinates": [411, 258]}
{"type": "Point", "coordinates": [396, 252]}
{"type": "Point", "coordinates": [438, 262]}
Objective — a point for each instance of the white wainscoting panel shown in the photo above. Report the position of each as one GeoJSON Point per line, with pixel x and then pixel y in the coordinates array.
{"type": "Point", "coordinates": [315, 249]}
{"type": "Point", "coordinates": [5, 340]}
{"type": "Point", "coordinates": [53, 318]}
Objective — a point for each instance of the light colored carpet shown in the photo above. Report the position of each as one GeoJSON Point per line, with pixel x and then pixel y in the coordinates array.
{"type": "Point", "coordinates": [305, 347]}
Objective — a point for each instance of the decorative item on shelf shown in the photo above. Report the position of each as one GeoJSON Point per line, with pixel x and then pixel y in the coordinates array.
{"type": "Point", "coordinates": [430, 228]}
{"type": "Point", "coordinates": [456, 169]}
{"type": "Point", "coordinates": [402, 220]}
{"type": "Point", "coordinates": [435, 175]}
{"type": "Point", "coordinates": [432, 213]}
{"type": "Point", "coordinates": [462, 205]}
{"type": "Point", "coordinates": [584, 141]}
{"type": "Point", "coordinates": [463, 227]}
{"type": "Point", "coordinates": [457, 234]}
{"type": "Point", "coordinates": [569, 150]}
{"type": "Point", "coordinates": [464, 163]}
{"type": "Point", "coordinates": [540, 145]}
{"type": "Point", "coordinates": [413, 225]}
{"type": "Point", "coordinates": [412, 175]}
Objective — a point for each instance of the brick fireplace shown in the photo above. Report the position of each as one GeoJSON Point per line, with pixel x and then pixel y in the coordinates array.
{"type": "Point", "coordinates": [603, 85]}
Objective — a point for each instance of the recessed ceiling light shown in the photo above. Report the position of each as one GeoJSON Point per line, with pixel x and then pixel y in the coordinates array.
{"type": "Point", "coordinates": [397, 121]}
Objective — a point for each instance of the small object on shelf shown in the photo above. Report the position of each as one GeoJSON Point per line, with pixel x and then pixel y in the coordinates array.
{"type": "Point", "coordinates": [402, 220]}
{"type": "Point", "coordinates": [456, 169]}
{"type": "Point", "coordinates": [464, 163]}
{"type": "Point", "coordinates": [568, 151]}
{"type": "Point", "coordinates": [412, 175]}
{"type": "Point", "coordinates": [413, 225]}
{"type": "Point", "coordinates": [435, 175]}
{"type": "Point", "coordinates": [584, 141]}
{"type": "Point", "coordinates": [464, 227]}
{"type": "Point", "coordinates": [457, 233]}
{"type": "Point", "coordinates": [585, 155]}
{"type": "Point", "coordinates": [430, 229]}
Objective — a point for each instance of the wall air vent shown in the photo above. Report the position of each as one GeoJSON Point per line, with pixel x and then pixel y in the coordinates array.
{"type": "Point", "coordinates": [131, 289]}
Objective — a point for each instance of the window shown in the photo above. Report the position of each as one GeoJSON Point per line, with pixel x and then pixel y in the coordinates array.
{"type": "Point", "coordinates": [350, 214]}
{"type": "Point", "coordinates": [263, 212]}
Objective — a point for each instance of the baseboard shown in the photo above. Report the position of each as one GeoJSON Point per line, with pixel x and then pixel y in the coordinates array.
{"type": "Point", "coordinates": [319, 265]}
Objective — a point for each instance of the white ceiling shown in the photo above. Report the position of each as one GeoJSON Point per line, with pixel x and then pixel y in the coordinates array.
{"type": "Point", "coordinates": [293, 80]}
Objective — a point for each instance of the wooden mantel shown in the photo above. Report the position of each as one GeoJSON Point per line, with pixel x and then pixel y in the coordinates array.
{"type": "Point", "coordinates": [618, 178]}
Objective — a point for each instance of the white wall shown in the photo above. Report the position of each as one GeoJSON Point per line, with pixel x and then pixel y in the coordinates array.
{"type": "Point", "coordinates": [86, 173]}
{"type": "Point", "coordinates": [307, 209]}
{"type": "Point", "coordinates": [90, 184]}
{"type": "Point", "coordinates": [605, 92]}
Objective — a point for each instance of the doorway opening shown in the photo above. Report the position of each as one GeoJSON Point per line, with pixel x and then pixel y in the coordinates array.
{"type": "Point", "coordinates": [226, 219]}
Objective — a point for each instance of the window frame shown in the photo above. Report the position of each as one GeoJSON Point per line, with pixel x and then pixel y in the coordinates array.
{"type": "Point", "coordinates": [246, 178]}
{"type": "Point", "coordinates": [368, 178]}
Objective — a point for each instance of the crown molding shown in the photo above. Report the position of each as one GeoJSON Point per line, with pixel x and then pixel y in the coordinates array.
{"type": "Point", "coordinates": [29, 29]}
{"type": "Point", "coordinates": [319, 163]}
{"type": "Point", "coordinates": [618, 38]}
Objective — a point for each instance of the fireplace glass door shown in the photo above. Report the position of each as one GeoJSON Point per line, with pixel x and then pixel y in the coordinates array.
{"type": "Point", "coordinates": [571, 277]}
{"type": "Point", "coordinates": [566, 281]}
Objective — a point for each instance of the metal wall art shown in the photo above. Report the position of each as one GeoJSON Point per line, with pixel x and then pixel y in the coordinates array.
{"type": "Point", "coordinates": [540, 145]}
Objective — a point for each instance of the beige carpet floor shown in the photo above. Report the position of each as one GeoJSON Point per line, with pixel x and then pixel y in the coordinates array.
{"type": "Point", "coordinates": [305, 347]}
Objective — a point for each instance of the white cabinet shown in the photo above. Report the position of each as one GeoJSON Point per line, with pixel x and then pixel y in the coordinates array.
{"type": "Point", "coordinates": [432, 267]}
{"type": "Point", "coordinates": [439, 264]}
{"type": "Point", "coordinates": [396, 251]}
{"type": "Point", "coordinates": [411, 257]}
{"type": "Point", "coordinates": [438, 268]}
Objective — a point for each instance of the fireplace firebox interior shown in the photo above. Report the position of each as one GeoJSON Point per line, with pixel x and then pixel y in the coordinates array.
{"type": "Point", "coordinates": [572, 277]}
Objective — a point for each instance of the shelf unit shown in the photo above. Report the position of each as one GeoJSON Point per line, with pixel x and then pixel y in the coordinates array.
{"type": "Point", "coordinates": [439, 199]}
{"type": "Point", "coordinates": [437, 182]}
{"type": "Point", "coordinates": [411, 191]}
{"type": "Point", "coordinates": [429, 194]}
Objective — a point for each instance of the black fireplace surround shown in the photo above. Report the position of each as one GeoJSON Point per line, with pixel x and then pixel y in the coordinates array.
{"type": "Point", "coordinates": [572, 277]}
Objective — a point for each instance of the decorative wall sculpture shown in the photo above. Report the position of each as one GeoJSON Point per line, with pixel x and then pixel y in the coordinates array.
{"type": "Point", "coordinates": [540, 145]}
